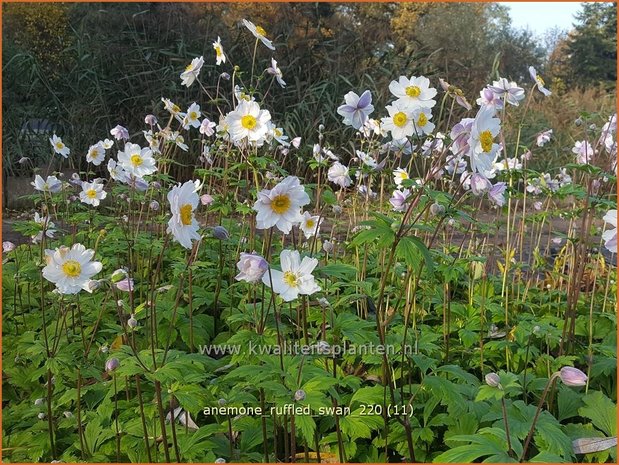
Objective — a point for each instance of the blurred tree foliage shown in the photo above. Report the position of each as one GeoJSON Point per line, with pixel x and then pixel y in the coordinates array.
{"type": "Point", "coordinates": [592, 46]}
{"type": "Point", "coordinates": [110, 63]}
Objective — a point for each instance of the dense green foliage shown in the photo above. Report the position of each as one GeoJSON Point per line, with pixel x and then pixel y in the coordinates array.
{"type": "Point", "coordinates": [469, 317]}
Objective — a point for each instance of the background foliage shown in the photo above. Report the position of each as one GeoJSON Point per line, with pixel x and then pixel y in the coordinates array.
{"type": "Point", "coordinates": [83, 54]}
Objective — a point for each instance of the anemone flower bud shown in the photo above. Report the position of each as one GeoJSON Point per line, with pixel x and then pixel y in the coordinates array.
{"type": "Point", "coordinates": [125, 285]}
{"type": "Point", "coordinates": [572, 376]}
{"type": "Point", "coordinates": [111, 365]}
{"type": "Point", "coordinates": [299, 395]}
{"type": "Point", "coordinates": [206, 199]}
{"type": "Point", "coordinates": [40, 401]}
{"type": "Point", "coordinates": [225, 76]}
{"type": "Point", "coordinates": [222, 402]}
{"type": "Point", "coordinates": [7, 246]}
{"type": "Point", "coordinates": [154, 206]}
{"type": "Point", "coordinates": [41, 416]}
{"type": "Point", "coordinates": [323, 347]}
{"type": "Point", "coordinates": [150, 120]}
{"type": "Point", "coordinates": [251, 267]}
{"type": "Point", "coordinates": [437, 209]}
{"type": "Point", "coordinates": [220, 460]}
{"type": "Point", "coordinates": [132, 322]}
{"type": "Point", "coordinates": [221, 233]}
{"type": "Point", "coordinates": [118, 275]}
{"type": "Point", "coordinates": [24, 160]}
{"type": "Point", "coordinates": [493, 380]}
{"type": "Point", "coordinates": [444, 84]}
{"type": "Point", "coordinates": [119, 132]}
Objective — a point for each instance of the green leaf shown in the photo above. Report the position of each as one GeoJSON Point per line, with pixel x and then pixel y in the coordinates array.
{"type": "Point", "coordinates": [569, 401]}
{"type": "Point", "coordinates": [338, 270]}
{"type": "Point", "coordinates": [328, 197]}
{"type": "Point", "coordinates": [601, 411]}
{"type": "Point", "coordinates": [306, 426]}
{"type": "Point", "coordinates": [407, 249]}
{"type": "Point", "coordinates": [489, 443]}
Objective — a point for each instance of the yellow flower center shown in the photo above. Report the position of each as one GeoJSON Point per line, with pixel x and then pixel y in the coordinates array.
{"type": "Point", "coordinates": [278, 132]}
{"type": "Point", "coordinates": [413, 91]}
{"type": "Point", "coordinates": [309, 224]}
{"type": "Point", "coordinates": [218, 51]}
{"type": "Point", "coordinates": [260, 30]}
{"type": "Point", "coordinates": [189, 67]}
{"type": "Point", "coordinates": [59, 145]}
{"type": "Point", "coordinates": [193, 115]}
{"type": "Point", "coordinates": [136, 160]}
{"type": "Point", "coordinates": [280, 204]}
{"type": "Point", "coordinates": [72, 268]}
{"type": "Point", "coordinates": [539, 80]}
{"type": "Point", "coordinates": [422, 121]}
{"type": "Point", "coordinates": [248, 122]}
{"type": "Point", "coordinates": [91, 193]}
{"type": "Point", "coordinates": [291, 279]}
{"type": "Point", "coordinates": [485, 138]}
{"type": "Point", "coordinates": [400, 119]}
{"type": "Point", "coordinates": [94, 154]}
{"type": "Point", "coordinates": [186, 214]}
{"type": "Point", "coordinates": [403, 175]}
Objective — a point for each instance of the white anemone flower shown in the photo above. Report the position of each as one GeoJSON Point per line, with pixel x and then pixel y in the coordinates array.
{"type": "Point", "coordinates": [543, 138]}
{"type": "Point", "coordinates": [338, 174]}
{"type": "Point", "coordinates": [281, 206]}
{"type": "Point", "coordinates": [107, 143]}
{"type": "Point", "coordinates": [192, 71]}
{"type": "Point", "coordinates": [310, 225]}
{"type": "Point", "coordinates": [207, 127]}
{"type": "Point", "coordinates": [483, 150]}
{"type": "Point", "coordinates": [400, 122]}
{"type": "Point", "coordinates": [96, 154]}
{"type": "Point", "coordinates": [399, 175]}
{"type": "Point", "coordinates": [356, 109]}
{"type": "Point", "coordinates": [220, 57]}
{"type": "Point", "coordinates": [59, 146]}
{"type": "Point", "coordinates": [183, 202]}
{"type": "Point", "coordinates": [274, 70]}
{"type": "Point", "coordinates": [171, 107]}
{"type": "Point", "coordinates": [278, 134]}
{"type": "Point", "coordinates": [248, 121]}
{"type": "Point", "coordinates": [136, 160]}
{"type": "Point", "coordinates": [92, 193]}
{"type": "Point", "coordinates": [47, 227]}
{"type": "Point", "coordinates": [50, 184]}
{"type": "Point", "coordinates": [610, 236]}
{"type": "Point", "coordinates": [116, 171]}
{"type": "Point", "coordinates": [192, 117]}
{"type": "Point", "coordinates": [507, 90]}
{"type": "Point", "coordinates": [414, 92]}
{"type": "Point", "coordinates": [295, 278]}
{"type": "Point", "coordinates": [70, 269]}
{"type": "Point", "coordinates": [584, 152]}
{"type": "Point", "coordinates": [539, 82]}
{"type": "Point", "coordinates": [259, 33]}
{"type": "Point", "coordinates": [421, 118]}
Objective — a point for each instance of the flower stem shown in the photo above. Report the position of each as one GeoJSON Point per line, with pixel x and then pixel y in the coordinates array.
{"type": "Point", "coordinates": [527, 441]}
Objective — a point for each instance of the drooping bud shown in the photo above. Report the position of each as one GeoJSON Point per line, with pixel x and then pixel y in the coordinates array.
{"type": "Point", "coordinates": [572, 376]}
{"type": "Point", "coordinates": [493, 380]}
{"type": "Point", "coordinates": [111, 365]}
